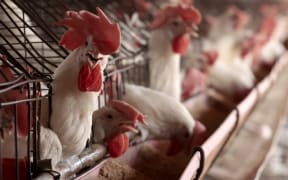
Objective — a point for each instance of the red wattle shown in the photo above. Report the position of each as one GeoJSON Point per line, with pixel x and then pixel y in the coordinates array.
{"type": "Point", "coordinates": [118, 145]}
{"type": "Point", "coordinates": [90, 79]}
{"type": "Point", "coordinates": [180, 43]}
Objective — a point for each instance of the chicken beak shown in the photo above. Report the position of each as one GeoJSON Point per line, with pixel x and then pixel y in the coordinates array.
{"type": "Point", "coordinates": [191, 30]}
{"type": "Point", "coordinates": [140, 118]}
{"type": "Point", "coordinates": [195, 27]}
{"type": "Point", "coordinates": [126, 126]}
{"type": "Point", "coordinates": [94, 60]}
{"type": "Point", "coordinates": [194, 34]}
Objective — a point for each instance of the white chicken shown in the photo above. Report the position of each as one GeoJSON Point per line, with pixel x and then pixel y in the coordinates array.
{"type": "Point", "coordinates": [265, 46]}
{"type": "Point", "coordinates": [165, 118]}
{"type": "Point", "coordinates": [78, 79]}
{"type": "Point", "coordinates": [273, 49]}
{"type": "Point", "coordinates": [227, 33]}
{"type": "Point", "coordinates": [234, 80]}
{"type": "Point", "coordinates": [169, 39]}
{"type": "Point", "coordinates": [196, 66]}
{"type": "Point", "coordinates": [110, 124]}
{"type": "Point", "coordinates": [232, 73]}
{"type": "Point", "coordinates": [50, 147]}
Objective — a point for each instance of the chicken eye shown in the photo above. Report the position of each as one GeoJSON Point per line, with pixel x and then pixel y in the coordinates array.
{"type": "Point", "coordinates": [175, 23]}
{"type": "Point", "coordinates": [109, 116]}
{"type": "Point", "coordinates": [186, 135]}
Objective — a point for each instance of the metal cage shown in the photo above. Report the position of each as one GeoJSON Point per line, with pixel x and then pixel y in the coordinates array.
{"type": "Point", "coordinates": [29, 50]}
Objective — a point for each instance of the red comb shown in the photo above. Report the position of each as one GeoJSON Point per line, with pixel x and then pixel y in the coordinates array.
{"type": "Point", "coordinates": [130, 111]}
{"type": "Point", "coordinates": [188, 14]}
{"type": "Point", "coordinates": [83, 24]}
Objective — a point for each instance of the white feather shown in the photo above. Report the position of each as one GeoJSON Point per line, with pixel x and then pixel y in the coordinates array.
{"type": "Point", "coordinates": [274, 47]}
{"type": "Point", "coordinates": [164, 116]}
{"type": "Point", "coordinates": [72, 109]}
{"type": "Point", "coordinates": [231, 77]}
{"type": "Point", "coordinates": [164, 64]}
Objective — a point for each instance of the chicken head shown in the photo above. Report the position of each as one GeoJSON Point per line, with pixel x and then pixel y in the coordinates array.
{"type": "Point", "coordinates": [181, 22]}
{"type": "Point", "coordinates": [239, 17]}
{"type": "Point", "coordinates": [97, 36]}
{"type": "Point", "coordinates": [110, 124]}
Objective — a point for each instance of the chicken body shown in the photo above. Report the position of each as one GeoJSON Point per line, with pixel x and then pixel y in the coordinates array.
{"type": "Point", "coordinates": [78, 80]}
{"type": "Point", "coordinates": [110, 124]}
{"type": "Point", "coordinates": [231, 74]}
{"type": "Point", "coordinates": [50, 146]}
{"type": "Point", "coordinates": [232, 79]}
{"type": "Point", "coordinates": [170, 38]}
{"type": "Point", "coordinates": [274, 47]}
{"type": "Point", "coordinates": [227, 72]}
{"type": "Point", "coordinates": [71, 117]}
{"type": "Point", "coordinates": [165, 117]}
{"type": "Point", "coordinates": [229, 46]}
{"type": "Point", "coordinates": [164, 64]}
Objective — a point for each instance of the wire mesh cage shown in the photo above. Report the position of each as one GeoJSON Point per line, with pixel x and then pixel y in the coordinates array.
{"type": "Point", "coordinates": [45, 15]}
{"type": "Point", "coordinates": [20, 102]}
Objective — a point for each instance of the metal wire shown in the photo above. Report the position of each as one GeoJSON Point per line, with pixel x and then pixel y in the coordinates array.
{"type": "Point", "coordinates": [16, 141]}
